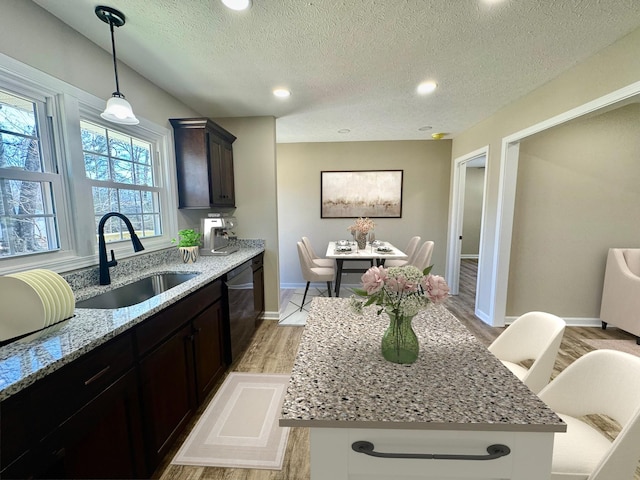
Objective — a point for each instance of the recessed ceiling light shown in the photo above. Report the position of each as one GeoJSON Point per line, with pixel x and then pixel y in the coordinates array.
{"type": "Point", "coordinates": [426, 87]}
{"type": "Point", "coordinates": [281, 92]}
{"type": "Point", "coordinates": [425, 128]}
{"type": "Point", "coordinates": [344, 130]}
{"type": "Point", "coordinates": [237, 4]}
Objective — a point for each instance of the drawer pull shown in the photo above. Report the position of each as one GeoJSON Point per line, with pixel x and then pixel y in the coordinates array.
{"type": "Point", "coordinates": [97, 375]}
{"type": "Point", "coordinates": [493, 452]}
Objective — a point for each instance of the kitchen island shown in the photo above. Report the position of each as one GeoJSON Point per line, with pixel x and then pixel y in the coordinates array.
{"type": "Point", "coordinates": [456, 399]}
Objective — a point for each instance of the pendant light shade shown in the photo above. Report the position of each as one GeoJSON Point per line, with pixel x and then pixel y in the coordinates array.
{"type": "Point", "coordinates": [118, 110]}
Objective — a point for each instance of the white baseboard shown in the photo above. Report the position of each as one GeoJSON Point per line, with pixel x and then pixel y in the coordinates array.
{"type": "Point", "coordinates": [271, 316]}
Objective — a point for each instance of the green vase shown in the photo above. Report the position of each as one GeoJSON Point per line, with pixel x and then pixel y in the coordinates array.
{"type": "Point", "coordinates": [399, 342]}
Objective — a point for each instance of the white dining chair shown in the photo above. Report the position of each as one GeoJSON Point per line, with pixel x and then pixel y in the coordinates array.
{"type": "Point", "coordinates": [602, 382]}
{"type": "Point", "coordinates": [313, 273]}
{"type": "Point", "coordinates": [318, 261]}
{"type": "Point", "coordinates": [422, 258]}
{"type": "Point", "coordinates": [533, 336]}
{"type": "Point", "coordinates": [409, 251]}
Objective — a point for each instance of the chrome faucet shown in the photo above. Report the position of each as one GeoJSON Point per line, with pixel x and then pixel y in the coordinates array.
{"type": "Point", "coordinates": [105, 278]}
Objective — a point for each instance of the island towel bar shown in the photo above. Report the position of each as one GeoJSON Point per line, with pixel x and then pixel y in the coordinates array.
{"type": "Point", "coordinates": [493, 452]}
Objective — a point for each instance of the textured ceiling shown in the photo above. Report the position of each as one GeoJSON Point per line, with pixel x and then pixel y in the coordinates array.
{"type": "Point", "coordinates": [354, 64]}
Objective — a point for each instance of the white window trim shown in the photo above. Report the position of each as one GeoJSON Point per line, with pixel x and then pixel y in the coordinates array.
{"type": "Point", "coordinates": [79, 249]}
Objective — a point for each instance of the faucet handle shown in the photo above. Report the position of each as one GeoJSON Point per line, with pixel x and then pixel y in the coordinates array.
{"type": "Point", "coordinates": [113, 262]}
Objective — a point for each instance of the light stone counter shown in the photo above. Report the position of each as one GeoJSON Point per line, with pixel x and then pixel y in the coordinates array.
{"type": "Point", "coordinates": [33, 357]}
{"type": "Point", "coordinates": [456, 394]}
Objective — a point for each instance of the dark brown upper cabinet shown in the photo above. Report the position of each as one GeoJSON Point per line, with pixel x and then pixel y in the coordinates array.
{"type": "Point", "coordinates": [204, 160]}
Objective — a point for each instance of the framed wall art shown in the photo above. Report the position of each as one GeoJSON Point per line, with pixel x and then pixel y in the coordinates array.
{"type": "Point", "coordinates": [361, 193]}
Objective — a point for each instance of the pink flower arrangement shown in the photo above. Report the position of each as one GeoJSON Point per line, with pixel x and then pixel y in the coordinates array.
{"type": "Point", "coordinates": [401, 291]}
{"type": "Point", "coordinates": [362, 225]}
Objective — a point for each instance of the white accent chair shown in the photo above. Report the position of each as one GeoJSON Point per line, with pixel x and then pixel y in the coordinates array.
{"type": "Point", "coordinates": [600, 382]}
{"type": "Point", "coordinates": [410, 251]}
{"type": "Point", "coordinates": [319, 261]}
{"type": "Point", "coordinates": [422, 259]}
{"type": "Point", "coordinates": [533, 336]}
{"type": "Point", "coordinates": [621, 292]}
{"type": "Point", "coordinates": [313, 273]}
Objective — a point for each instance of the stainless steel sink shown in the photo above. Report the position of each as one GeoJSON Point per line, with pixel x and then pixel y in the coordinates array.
{"type": "Point", "coordinates": [136, 292]}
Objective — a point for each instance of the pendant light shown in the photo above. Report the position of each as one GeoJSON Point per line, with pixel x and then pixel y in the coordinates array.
{"type": "Point", "coordinates": [118, 110]}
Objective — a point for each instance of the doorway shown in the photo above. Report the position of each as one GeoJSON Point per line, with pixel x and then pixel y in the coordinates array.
{"type": "Point", "coordinates": [467, 209]}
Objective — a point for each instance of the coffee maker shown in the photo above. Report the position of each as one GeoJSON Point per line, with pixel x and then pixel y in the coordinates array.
{"type": "Point", "coordinates": [216, 232]}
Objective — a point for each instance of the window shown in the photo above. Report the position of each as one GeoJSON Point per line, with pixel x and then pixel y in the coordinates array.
{"type": "Point", "coordinates": [120, 169]}
{"type": "Point", "coordinates": [28, 223]}
{"type": "Point", "coordinates": [62, 167]}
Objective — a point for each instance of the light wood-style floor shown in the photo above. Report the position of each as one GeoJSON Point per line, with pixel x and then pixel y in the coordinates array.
{"type": "Point", "coordinates": [273, 350]}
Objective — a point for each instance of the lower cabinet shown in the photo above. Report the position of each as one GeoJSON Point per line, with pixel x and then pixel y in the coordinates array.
{"type": "Point", "coordinates": [101, 440]}
{"type": "Point", "coordinates": [168, 394]}
{"type": "Point", "coordinates": [116, 411]}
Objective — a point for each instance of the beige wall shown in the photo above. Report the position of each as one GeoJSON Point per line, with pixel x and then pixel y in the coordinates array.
{"type": "Point", "coordinates": [613, 68]}
{"type": "Point", "coordinates": [426, 166]}
{"type": "Point", "coordinates": [472, 215]}
{"type": "Point", "coordinates": [578, 194]}
{"type": "Point", "coordinates": [254, 166]}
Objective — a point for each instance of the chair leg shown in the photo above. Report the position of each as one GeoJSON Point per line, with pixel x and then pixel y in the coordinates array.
{"type": "Point", "coordinates": [304, 296]}
{"type": "Point", "coordinates": [329, 288]}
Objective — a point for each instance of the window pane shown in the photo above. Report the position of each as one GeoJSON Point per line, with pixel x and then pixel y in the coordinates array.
{"type": "Point", "coordinates": [96, 167]}
{"type": "Point", "coordinates": [94, 138]}
{"type": "Point", "coordinates": [26, 225]}
{"type": "Point", "coordinates": [130, 201]}
{"type": "Point", "coordinates": [120, 145]}
{"type": "Point", "coordinates": [123, 171]}
{"type": "Point", "coordinates": [141, 151]}
{"type": "Point", "coordinates": [144, 175]}
{"type": "Point", "coordinates": [17, 115]}
{"type": "Point", "coordinates": [105, 200]}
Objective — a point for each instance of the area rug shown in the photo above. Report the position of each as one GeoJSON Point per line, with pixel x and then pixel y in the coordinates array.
{"type": "Point", "coordinates": [628, 346]}
{"type": "Point", "coordinates": [239, 428]}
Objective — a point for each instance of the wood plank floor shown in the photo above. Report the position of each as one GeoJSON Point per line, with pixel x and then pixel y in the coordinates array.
{"type": "Point", "coordinates": [273, 350]}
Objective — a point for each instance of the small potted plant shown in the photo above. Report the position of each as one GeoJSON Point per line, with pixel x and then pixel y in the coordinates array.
{"type": "Point", "coordinates": [188, 244]}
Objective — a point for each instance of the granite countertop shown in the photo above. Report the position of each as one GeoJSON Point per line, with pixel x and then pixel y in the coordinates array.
{"type": "Point", "coordinates": [341, 380]}
{"type": "Point", "coordinates": [33, 357]}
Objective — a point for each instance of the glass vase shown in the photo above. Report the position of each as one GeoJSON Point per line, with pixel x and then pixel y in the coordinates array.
{"type": "Point", "coordinates": [399, 342]}
{"type": "Point", "coordinates": [361, 240]}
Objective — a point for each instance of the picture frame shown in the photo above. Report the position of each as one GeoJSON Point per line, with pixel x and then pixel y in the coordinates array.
{"type": "Point", "coordinates": [361, 193]}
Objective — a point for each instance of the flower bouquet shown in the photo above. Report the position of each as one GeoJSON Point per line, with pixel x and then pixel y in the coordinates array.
{"type": "Point", "coordinates": [360, 228]}
{"type": "Point", "coordinates": [400, 292]}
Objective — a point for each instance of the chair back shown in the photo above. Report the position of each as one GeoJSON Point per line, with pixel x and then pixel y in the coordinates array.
{"type": "Point", "coordinates": [412, 248]}
{"type": "Point", "coordinates": [307, 244]}
{"type": "Point", "coordinates": [311, 272]}
{"type": "Point", "coordinates": [422, 259]}
{"type": "Point", "coordinates": [533, 336]}
{"type": "Point", "coordinates": [603, 382]}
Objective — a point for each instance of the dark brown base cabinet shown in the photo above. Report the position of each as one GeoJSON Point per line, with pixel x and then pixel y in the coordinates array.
{"type": "Point", "coordinates": [115, 411]}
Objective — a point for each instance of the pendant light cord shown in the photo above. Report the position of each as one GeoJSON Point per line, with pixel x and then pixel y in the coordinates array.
{"type": "Point", "coordinates": [115, 63]}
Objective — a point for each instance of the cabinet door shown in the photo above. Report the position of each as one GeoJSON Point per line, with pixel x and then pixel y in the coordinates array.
{"type": "Point", "coordinates": [102, 440]}
{"type": "Point", "coordinates": [167, 392]}
{"type": "Point", "coordinates": [192, 167]}
{"type": "Point", "coordinates": [209, 358]}
{"type": "Point", "coordinates": [227, 176]}
{"type": "Point", "coordinates": [221, 172]}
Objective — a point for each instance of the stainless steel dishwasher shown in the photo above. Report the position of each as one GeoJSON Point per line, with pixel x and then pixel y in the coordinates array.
{"type": "Point", "coordinates": [241, 313]}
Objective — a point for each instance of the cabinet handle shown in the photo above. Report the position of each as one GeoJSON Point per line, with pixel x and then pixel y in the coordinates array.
{"type": "Point", "coordinates": [97, 375]}
{"type": "Point", "coordinates": [493, 452]}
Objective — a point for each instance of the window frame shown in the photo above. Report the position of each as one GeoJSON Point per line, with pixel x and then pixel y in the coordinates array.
{"type": "Point", "coordinates": [66, 105]}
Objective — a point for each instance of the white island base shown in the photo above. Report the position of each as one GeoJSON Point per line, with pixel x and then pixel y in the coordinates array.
{"type": "Point", "coordinates": [456, 399]}
{"type": "Point", "coordinates": [333, 458]}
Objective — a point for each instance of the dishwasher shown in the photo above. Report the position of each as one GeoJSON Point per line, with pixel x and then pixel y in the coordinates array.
{"type": "Point", "coordinates": [241, 313]}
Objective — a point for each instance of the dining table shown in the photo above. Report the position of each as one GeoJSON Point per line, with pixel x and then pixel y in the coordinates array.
{"type": "Point", "coordinates": [344, 250]}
